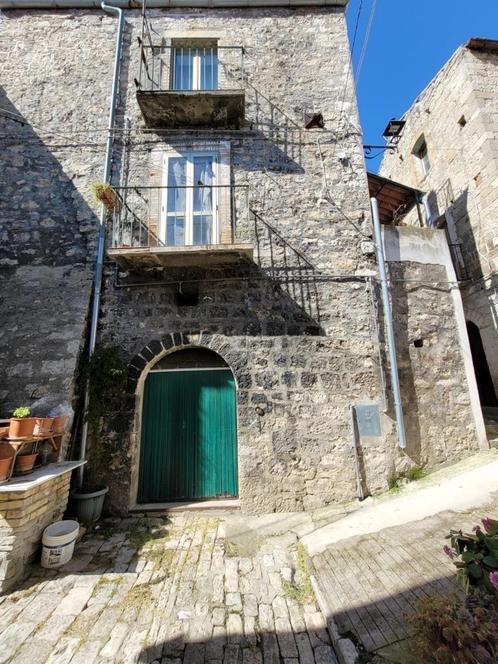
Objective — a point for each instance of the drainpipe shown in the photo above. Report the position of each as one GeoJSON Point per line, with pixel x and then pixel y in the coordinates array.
{"type": "Point", "coordinates": [97, 282]}
{"type": "Point", "coordinates": [389, 324]}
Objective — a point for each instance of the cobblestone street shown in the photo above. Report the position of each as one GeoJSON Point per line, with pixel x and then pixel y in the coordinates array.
{"type": "Point", "coordinates": [166, 590]}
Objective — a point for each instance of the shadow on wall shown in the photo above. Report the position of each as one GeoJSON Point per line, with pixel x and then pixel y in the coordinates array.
{"type": "Point", "coordinates": [46, 262]}
{"type": "Point", "coordinates": [471, 266]}
{"type": "Point", "coordinates": [48, 247]}
{"type": "Point", "coordinates": [243, 301]}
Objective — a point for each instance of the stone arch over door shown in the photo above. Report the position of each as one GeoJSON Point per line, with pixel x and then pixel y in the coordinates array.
{"type": "Point", "coordinates": [144, 361]}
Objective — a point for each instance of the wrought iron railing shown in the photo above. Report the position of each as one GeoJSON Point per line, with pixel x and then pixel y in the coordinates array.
{"type": "Point", "coordinates": [174, 216]}
{"type": "Point", "coordinates": [195, 68]}
{"type": "Point", "coordinates": [181, 66]}
{"type": "Point", "coordinates": [458, 261]}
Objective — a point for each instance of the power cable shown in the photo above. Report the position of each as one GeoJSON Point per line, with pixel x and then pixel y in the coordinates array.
{"type": "Point", "coordinates": [366, 40]}
{"type": "Point", "coordinates": [353, 43]}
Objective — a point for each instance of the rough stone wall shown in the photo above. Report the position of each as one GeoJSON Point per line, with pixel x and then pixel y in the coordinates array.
{"type": "Point", "coordinates": [462, 182]}
{"type": "Point", "coordinates": [437, 411]}
{"type": "Point", "coordinates": [48, 220]}
{"type": "Point", "coordinates": [302, 346]}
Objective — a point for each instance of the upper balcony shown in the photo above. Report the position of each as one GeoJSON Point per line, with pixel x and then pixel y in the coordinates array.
{"type": "Point", "coordinates": [181, 226]}
{"type": "Point", "coordinates": [190, 83]}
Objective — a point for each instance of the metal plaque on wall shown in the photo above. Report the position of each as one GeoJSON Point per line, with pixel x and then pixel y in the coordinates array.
{"type": "Point", "coordinates": [368, 420]}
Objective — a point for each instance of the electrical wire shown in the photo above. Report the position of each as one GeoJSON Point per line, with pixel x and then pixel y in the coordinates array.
{"type": "Point", "coordinates": [313, 278]}
{"type": "Point", "coordinates": [366, 40]}
{"type": "Point", "coordinates": [353, 43]}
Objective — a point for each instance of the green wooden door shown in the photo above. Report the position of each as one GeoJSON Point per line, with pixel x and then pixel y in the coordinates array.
{"type": "Point", "coordinates": [189, 443]}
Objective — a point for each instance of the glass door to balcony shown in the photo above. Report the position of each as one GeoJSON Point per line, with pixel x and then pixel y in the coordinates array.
{"type": "Point", "coordinates": [189, 205]}
{"type": "Point", "coordinates": [194, 68]}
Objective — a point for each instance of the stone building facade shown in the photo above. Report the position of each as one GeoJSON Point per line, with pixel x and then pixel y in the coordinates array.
{"type": "Point", "coordinates": [289, 304]}
{"type": "Point", "coordinates": [456, 119]}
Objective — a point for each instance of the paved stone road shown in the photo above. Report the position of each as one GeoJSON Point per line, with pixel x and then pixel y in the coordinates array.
{"type": "Point", "coordinates": [150, 590]}
{"type": "Point", "coordinates": [370, 583]}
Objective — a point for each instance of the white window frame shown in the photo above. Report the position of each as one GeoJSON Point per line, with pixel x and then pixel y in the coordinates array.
{"type": "Point", "coordinates": [189, 198]}
{"type": "Point", "coordinates": [196, 65]}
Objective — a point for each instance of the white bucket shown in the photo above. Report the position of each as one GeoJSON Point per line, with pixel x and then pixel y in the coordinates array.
{"type": "Point", "coordinates": [58, 543]}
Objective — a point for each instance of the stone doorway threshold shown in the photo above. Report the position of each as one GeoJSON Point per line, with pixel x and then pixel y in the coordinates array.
{"type": "Point", "coordinates": [195, 506]}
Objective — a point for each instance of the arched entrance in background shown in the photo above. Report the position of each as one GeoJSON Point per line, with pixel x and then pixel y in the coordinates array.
{"type": "Point", "coordinates": [485, 385]}
{"type": "Point", "coordinates": [188, 447]}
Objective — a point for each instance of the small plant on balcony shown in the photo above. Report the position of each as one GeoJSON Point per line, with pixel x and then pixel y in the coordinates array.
{"type": "Point", "coordinates": [105, 194]}
{"type": "Point", "coordinates": [21, 424]}
{"type": "Point", "coordinates": [22, 411]}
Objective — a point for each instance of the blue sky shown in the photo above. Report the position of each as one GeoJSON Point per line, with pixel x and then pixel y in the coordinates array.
{"type": "Point", "coordinates": [409, 41]}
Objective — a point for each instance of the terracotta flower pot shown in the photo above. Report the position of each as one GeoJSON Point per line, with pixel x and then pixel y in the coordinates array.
{"type": "Point", "coordinates": [43, 425]}
{"type": "Point", "coordinates": [25, 462]}
{"type": "Point", "coordinates": [6, 459]}
{"type": "Point", "coordinates": [4, 432]}
{"type": "Point", "coordinates": [21, 427]}
{"type": "Point", "coordinates": [60, 423]}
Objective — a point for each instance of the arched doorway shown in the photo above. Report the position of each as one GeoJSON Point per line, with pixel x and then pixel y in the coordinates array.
{"type": "Point", "coordinates": [188, 447]}
{"type": "Point", "coordinates": [484, 380]}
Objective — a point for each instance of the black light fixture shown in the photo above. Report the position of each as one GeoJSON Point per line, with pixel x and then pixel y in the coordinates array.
{"type": "Point", "coordinates": [394, 130]}
{"type": "Point", "coordinates": [392, 134]}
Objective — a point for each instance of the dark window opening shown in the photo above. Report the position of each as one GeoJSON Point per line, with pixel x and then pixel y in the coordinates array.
{"type": "Point", "coordinates": [187, 296]}
{"type": "Point", "coordinates": [422, 154]}
{"type": "Point", "coordinates": [462, 121]}
{"type": "Point", "coordinates": [418, 343]}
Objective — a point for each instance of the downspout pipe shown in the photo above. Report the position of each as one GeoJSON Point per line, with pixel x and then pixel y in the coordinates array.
{"type": "Point", "coordinates": [97, 282]}
{"type": "Point", "coordinates": [398, 408]}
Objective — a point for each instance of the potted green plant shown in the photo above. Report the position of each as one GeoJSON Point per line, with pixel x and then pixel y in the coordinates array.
{"type": "Point", "coordinates": [105, 194]}
{"type": "Point", "coordinates": [21, 425]}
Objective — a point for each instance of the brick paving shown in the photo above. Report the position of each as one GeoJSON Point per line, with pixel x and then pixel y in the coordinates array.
{"type": "Point", "coordinates": [372, 582]}
{"type": "Point", "coordinates": [149, 590]}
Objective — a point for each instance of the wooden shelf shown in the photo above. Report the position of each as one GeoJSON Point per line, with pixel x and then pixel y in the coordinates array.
{"type": "Point", "coordinates": [20, 443]}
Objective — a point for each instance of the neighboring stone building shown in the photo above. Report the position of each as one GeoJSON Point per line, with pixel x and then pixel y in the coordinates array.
{"type": "Point", "coordinates": [241, 237]}
{"type": "Point", "coordinates": [449, 149]}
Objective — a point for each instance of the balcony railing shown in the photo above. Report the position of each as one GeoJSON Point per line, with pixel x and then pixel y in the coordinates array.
{"type": "Point", "coordinates": [190, 68]}
{"type": "Point", "coordinates": [176, 224]}
{"type": "Point", "coordinates": [458, 261]}
{"type": "Point", "coordinates": [189, 83]}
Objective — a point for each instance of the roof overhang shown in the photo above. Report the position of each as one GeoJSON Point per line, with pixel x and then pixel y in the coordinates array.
{"type": "Point", "coordinates": [393, 198]}
{"type": "Point", "coordinates": [156, 4]}
{"type": "Point", "coordinates": [481, 44]}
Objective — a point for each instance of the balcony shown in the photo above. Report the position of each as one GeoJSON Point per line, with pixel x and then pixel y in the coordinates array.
{"type": "Point", "coordinates": [190, 84]}
{"type": "Point", "coordinates": [181, 226]}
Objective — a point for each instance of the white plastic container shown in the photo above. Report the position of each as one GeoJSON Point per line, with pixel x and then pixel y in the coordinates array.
{"type": "Point", "coordinates": [58, 543]}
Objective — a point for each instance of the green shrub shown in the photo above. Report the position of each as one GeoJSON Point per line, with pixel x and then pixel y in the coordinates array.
{"type": "Point", "coordinates": [413, 474]}
{"type": "Point", "coordinates": [475, 555]}
{"type": "Point", "coordinates": [22, 411]}
{"type": "Point", "coordinates": [456, 630]}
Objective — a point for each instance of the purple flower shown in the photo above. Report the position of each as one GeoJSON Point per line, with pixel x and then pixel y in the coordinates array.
{"type": "Point", "coordinates": [448, 551]}
{"type": "Point", "coordinates": [493, 577]}
{"type": "Point", "coordinates": [487, 523]}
